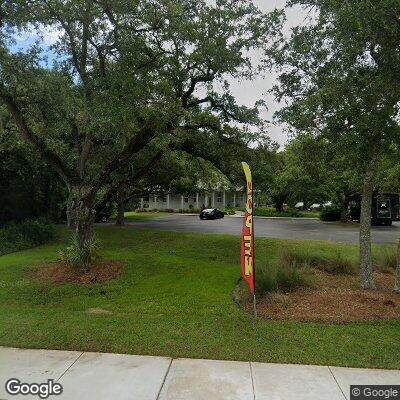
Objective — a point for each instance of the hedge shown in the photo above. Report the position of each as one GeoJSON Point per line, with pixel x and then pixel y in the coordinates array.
{"type": "Point", "coordinates": [330, 213]}
{"type": "Point", "coordinates": [23, 235]}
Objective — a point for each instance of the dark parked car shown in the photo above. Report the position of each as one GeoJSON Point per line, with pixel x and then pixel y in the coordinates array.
{"type": "Point", "coordinates": [211, 213]}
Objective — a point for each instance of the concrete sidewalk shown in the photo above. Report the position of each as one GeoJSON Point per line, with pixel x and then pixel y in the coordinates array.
{"type": "Point", "coordinates": [98, 376]}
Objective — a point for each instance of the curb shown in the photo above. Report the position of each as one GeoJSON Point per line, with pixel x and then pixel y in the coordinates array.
{"type": "Point", "coordinates": [291, 218]}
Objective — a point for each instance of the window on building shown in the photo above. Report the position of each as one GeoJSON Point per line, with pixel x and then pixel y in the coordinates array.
{"type": "Point", "coordinates": [219, 198]}
{"type": "Point", "coordinates": [164, 199]}
{"type": "Point", "coordinates": [194, 199]}
{"type": "Point", "coordinates": [186, 199]}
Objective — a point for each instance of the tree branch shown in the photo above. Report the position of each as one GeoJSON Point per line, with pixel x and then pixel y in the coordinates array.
{"type": "Point", "coordinates": [137, 143]}
{"type": "Point", "coordinates": [139, 174]}
{"type": "Point", "coordinates": [30, 137]}
{"type": "Point", "coordinates": [208, 77]}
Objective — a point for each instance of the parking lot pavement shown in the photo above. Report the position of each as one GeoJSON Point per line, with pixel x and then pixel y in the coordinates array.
{"type": "Point", "coordinates": [290, 228]}
{"type": "Point", "coordinates": [97, 376]}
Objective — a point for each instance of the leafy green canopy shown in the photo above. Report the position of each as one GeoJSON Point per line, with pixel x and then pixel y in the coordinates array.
{"type": "Point", "coordinates": [131, 81]}
{"type": "Point", "coordinates": [339, 74]}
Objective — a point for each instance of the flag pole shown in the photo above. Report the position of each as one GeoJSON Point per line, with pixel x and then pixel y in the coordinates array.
{"type": "Point", "coordinates": [248, 265]}
{"type": "Point", "coordinates": [254, 263]}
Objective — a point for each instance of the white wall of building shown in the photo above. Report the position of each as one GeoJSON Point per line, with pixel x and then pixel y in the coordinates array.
{"type": "Point", "coordinates": [215, 199]}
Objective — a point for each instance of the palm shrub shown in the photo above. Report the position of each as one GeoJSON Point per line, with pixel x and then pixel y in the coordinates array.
{"type": "Point", "coordinates": [80, 255]}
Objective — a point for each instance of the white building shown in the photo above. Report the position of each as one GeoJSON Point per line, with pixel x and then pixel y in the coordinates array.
{"type": "Point", "coordinates": [211, 199]}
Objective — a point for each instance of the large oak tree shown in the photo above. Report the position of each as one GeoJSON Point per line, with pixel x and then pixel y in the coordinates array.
{"type": "Point", "coordinates": [129, 82]}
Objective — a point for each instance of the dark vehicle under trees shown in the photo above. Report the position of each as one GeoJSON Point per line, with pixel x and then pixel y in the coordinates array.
{"type": "Point", "coordinates": [211, 213]}
{"type": "Point", "coordinates": [384, 209]}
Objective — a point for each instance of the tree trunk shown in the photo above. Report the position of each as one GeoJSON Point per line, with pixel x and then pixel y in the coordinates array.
{"type": "Point", "coordinates": [366, 269]}
{"type": "Point", "coordinates": [81, 214]}
{"type": "Point", "coordinates": [120, 220]}
{"type": "Point", "coordinates": [397, 282]}
{"type": "Point", "coordinates": [69, 216]}
{"type": "Point", "coordinates": [279, 205]}
{"type": "Point", "coordinates": [344, 205]}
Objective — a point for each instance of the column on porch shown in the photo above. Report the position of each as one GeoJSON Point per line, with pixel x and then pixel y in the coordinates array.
{"type": "Point", "coordinates": [168, 201]}
{"type": "Point", "coordinates": [141, 203]}
{"type": "Point", "coordinates": [182, 202]}
{"type": "Point", "coordinates": [234, 198]}
{"type": "Point", "coordinates": [155, 202]}
{"type": "Point", "coordinates": [197, 201]}
{"type": "Point", "coordinates": [213, 200]}
{"type": "Point", "coordinates": [224, 199]}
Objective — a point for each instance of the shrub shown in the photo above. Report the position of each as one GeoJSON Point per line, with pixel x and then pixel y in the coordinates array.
{"type": "Point", "coordinates": [330, 213]}
{"type": "Point", "coordinates": [386, 260]}
{"type": "Point", "coordinates": [337, 264]}
{"type": "Point", "coordinates": [266, 280]}
{"type": "Point", "coordinates": [229, 211]}
{"type": "Point", "coordinates": [280, 276]}
{"type": "Point", "coordinates": [333, 264]}
{"type": "Point", "coordinates": [293, 270]}
{"type": "Point", "coordinates": [292, 276]}
{"type": "Point", "coordinates": [78, 255]}
{"type": "Point", "coordinates": [23, 235]}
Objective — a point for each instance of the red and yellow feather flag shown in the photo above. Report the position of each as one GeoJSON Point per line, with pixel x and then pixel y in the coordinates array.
{"type": "Point", "coordinates": [248, 271]}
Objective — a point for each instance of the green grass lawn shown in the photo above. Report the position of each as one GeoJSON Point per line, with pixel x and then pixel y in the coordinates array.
{"type": "Point", "coordinates": [174, 299]}
{"type": "Point", "coordinates": [133, 215]}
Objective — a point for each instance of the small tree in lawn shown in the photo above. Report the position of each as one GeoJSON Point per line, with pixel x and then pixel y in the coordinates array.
{"type": "Point", "coordinates": [340, 75]}
{"type": "Point", "coordinates": [131, 81]}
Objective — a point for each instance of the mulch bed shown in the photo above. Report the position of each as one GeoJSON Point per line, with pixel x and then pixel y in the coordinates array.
{"type": "Point", "coordinates": [99, 272]}
{"type": "Point", "coordinates": [333, 298]}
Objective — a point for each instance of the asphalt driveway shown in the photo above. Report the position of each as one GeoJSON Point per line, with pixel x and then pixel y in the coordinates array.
{"type": "Point", "coordinates": [293, 228]}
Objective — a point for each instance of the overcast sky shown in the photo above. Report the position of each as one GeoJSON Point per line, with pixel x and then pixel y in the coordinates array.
{"type": "Point", "coordinates": [250, 91]}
